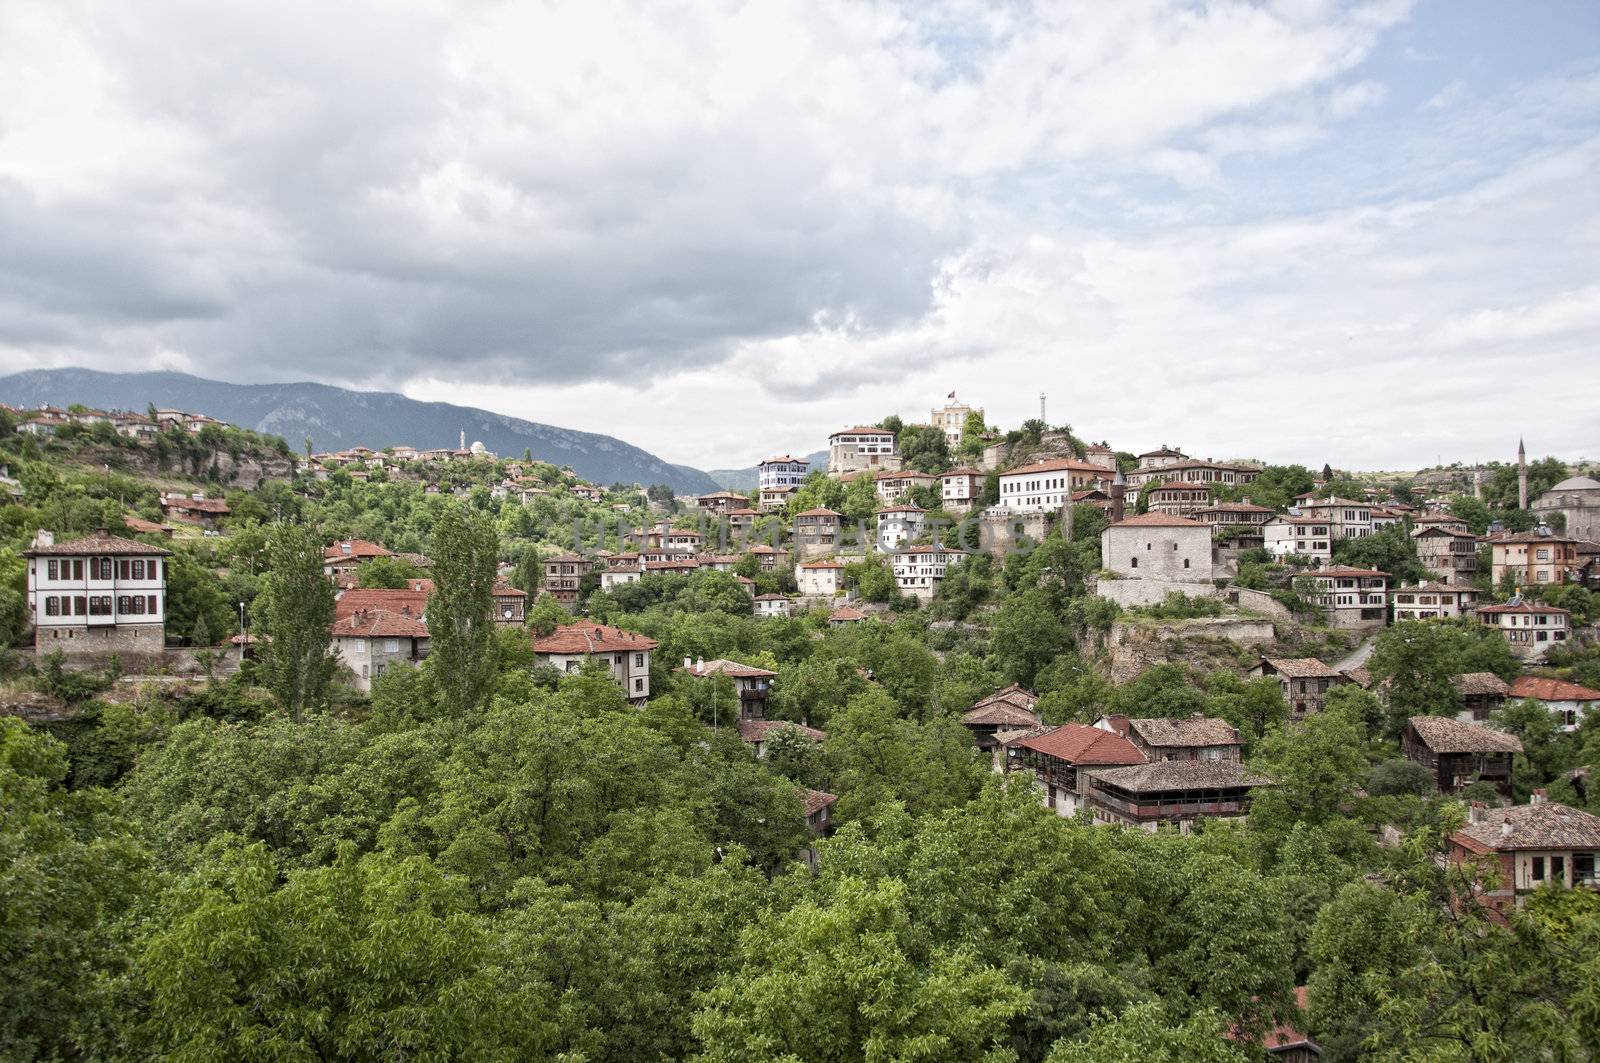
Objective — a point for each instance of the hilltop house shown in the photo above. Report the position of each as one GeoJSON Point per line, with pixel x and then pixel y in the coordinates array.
{"type": "Point", "coordinates": [819, 579]}
{"type": "Point", "coordinates": [898, 525]}
{"type": "Point", "coordinates": [1195, 738]}
{"type": "Point", "coordinates": [343, 558]}
{"type": "Point", "coordinates": [817, 531]}
{"type": "Point", "coordinates": [1351, 597]}
{"type": "Point", "coordinates": [1046, 486]}
{"type": "Point", "coordinates": [780, 471]}
{"type": "Point", "coordinates": [1533, 557]}
{"type": "Point", "coordinates": [961, 489]}
{"type": "Point", "coordinates": [918, 570]}
{"type": "Point", "coordinates": [194, 509]}
{"type": "Point", "coordinates": [563, 575]}
{"type": "Point", "coordinates": [1449, 554]}
{"type": "Point", "coordinates": [1430, 601]}
{"type": "Point", "coordinates": [1303, 536]}
{"type": "Point", "coordinates": [855, 449]}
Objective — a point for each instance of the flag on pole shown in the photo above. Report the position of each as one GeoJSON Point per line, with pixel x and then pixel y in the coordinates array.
{"type": "Point", "coordinates": [951, 395]}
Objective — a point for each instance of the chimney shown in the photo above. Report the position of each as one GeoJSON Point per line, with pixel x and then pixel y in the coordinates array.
{"type": "Point", "coordinates": [101, 533]}
{"type": "Point", "coordinates": [699, 664]}
{"type": "Point", "coordinates": [688, 665]}
{"type": "Point", "coordinates": [1539, 797]}
{"type": "Point", "coordinates": [44, 538]}
{"type": "Point", "coordinates": [1475, 812]}
{"type": "Point", "coordinates": [1505, 828]}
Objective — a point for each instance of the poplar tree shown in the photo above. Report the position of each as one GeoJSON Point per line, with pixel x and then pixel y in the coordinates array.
{"type": "Point", "coordinates": [295, 615]}
{"type": "Point", "coordinates": [461, 607]}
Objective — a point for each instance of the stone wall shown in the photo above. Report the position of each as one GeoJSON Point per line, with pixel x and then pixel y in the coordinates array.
{"type": "Point", "coordinates": [83, 640]}
{"type": "Point", "coordinates": [1134, 592]}
{"type": "Point", "coordinates": [999, 532]}
{"type": "Point", "coordinates": [1259, 602]}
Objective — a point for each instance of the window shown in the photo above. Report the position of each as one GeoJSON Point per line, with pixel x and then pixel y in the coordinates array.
{"type": "Point", "coordinates": [1558, 868]}
{"type": "Point", "coordinates": [1538, 868]}
{"type": "Point", "coordinates": [100, 605]}
{"type": "Point", "coordinates": [638, 686]}
{"type": "Point", "coordinates": [53, 569]}
{"type": "Point", "coordinates": [81, 605]}
{"type": "Point", "coordinates": [77, 568]}
{"type": "Point", "coordinates": [1135, 562]}
{"type": "Point", "coordinates": [102, 567]}
{"type": "Point", "coordinates": [52, 606]}
{"type": "Point", "coordinates": [1582, 867]}
{"type": "Point", "coordinates": [138, 569]}
{"type": "Point", "coordinates": [638, 660]}
{"type": "Point", "coordinates": [572, 666]}
{"type": "Point", "coordinates": [1186, 562]}
{"type": "Point", "coordinates": [150, 604]}
{"type": "Point", "coordinates": [391, 645]}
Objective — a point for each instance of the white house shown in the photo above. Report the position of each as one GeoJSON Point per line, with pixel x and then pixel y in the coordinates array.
{"type": "Point", "coordinates": [819, 579]}
{"type": "Point", "coordinates": [1347, 519]}
{"type": "Point", "coordinates": [898, 525]}
{"type": "Point", "coordinates": [1352, 597]}
{"type": "Point", "coordinates": [951, 419]}
{"type": "Point", "coordinates": [960, 489]}
{"type": "Point", "coordinates": [1046, 486]}
{"type": "Point", "coordinates": [1431, 600]}
{"type": "Point", "coordinates": [918, 570]}
{"type": "Point", "coordinates": [855, 449]}
{"type": "Point", "coordinates": [618, 576]}
{"type": "Point", "coordinates": [770, 605]}
{"type": "Point", "coordinates": [1306, 536]}
{"type": "Point", "coordinates": [99, 594]}
{"type": "Point", "coordinates": [1531, 630]}
{"type": "Point", "coordinates": [782, 470]}
{"type": "Point", "coordinates": [1568, 702]}
{"type": "Point", "coordinates": [624, 653]}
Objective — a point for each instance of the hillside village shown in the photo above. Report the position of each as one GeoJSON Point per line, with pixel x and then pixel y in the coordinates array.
{"type": "Point", "coordinates": [1147, 639]}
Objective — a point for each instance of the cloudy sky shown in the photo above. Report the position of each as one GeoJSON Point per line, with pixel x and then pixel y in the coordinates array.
{"type": "Point", "coordinates": [1363, 233]}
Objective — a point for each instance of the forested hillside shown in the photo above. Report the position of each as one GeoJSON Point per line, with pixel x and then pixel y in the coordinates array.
{"type": "Point", "coordinates": [488, 858]}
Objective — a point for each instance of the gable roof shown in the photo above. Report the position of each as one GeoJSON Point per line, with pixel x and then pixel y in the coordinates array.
{"type": "Point", "coordinates": [101, 542]}
{"type": "Point", "coordinates": [1479, 684]}
{"type": "Point", "coordinates": [1167, 775]}
{"type": "Point", "coordinates": [1543, 825]}
{"type": "Point", "coordinates": [761, 730]}
{"type": "Point", "coordinates": [844, 612]}
{"type": "Point", "coordinates": [1078, 743]}
{"type": "Point", "coordinates": [1300, 667]}
{"type": "Point", "coordinates": [817, 800]}
{"type": "Point", "coordinates": [1445, 735]}
{"type": "Point", "coordinates": [1011, 706]}
{"type": "Point", "coordinates": [1163, 732]}
{"type": "Point", "coordinates": [732, 669]}
{"type": "Point", "coordinates": [588, 637]}
{"type": "Point", "coordinates": [1532, 686]}
{"type": "Point", "coordinates": [378, 624]}
{"type": "Point", "coordinates": [409, 602]}
{"type": "Point", "coordinates": [359, 549]}
{"type": "Point", "coordinates": [1059, 465]}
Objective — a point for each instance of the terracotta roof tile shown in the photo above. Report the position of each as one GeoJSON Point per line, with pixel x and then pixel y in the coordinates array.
{"type": "Point", "coordinates": [1445, 735]}
{"type": "Point", "coordinates": [1531, 686]}
{"type": "Point", "coordinates": [1078, 743]}
{"type": "Point", "coordinates": [101, 542]}
{"type": "Point", "coordinates": [1544, 825]}
{"type": "Point", "coordinates": [588, 637]}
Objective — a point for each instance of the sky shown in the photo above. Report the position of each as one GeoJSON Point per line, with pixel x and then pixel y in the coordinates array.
{"type": "Point", "coordinates": [1360, 233]}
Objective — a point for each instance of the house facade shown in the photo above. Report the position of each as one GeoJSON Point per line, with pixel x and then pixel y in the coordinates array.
{"type": "Point", "coordinates": [782, 470]}
{"type": "Point", "coordinates": [1351, 597]}
{"type": "Point", "coordinates": [1432, 601]}
{"type": "Point", "coordinates": [1305, 681]}
{"type": "Point", "coordinates": [370, 640]}
{"type": "Point", "coordinates": [898, 525]}
{"type": "Point", "coordinates": [961, 489]}
{"type": "Point", "coordinates": [858, 449]}
{"type": "Point", "coordinates": [1531, 630]}
{"type": "Point", "coordinates": [1155, 554]}
{"type": "Point", "coordinates": [1046, 486]}
{"type": "Point", "coordinates": [1527, 847]}
{"type": "Point", "coordinates": [1449, 554]}
{"type": "Point", "coordinates": [817, 531]}
{"type": "Point", "coordinates": [1530, 557]}
{"type": "Point", "coordinates": [951, 419]}
{"type": "Point", "coordinates": [1178, 498]}
{"type": "Point", "coordinates": [563, 575]}
{"type": "Point", "coordinates": [1194, 738]}
{"type": "Point", "coordinates": [1174, 793]}
{"type": "Point", "coordinates": [1060, 759]}
{"type": "Point", "coordinates": [1345, 518]}
{"type": "Point", "coordinates": [1567, 702]}
{"type": "Point", "coordinates": [918, 570]}
{"type": "Point", "coordinates": [819, 579]}
{"type": "Point", "coordinates": [1458, 754]}
{"type": "Point", "coordinates": [625, 654]}
{"type": "Point", "coordinates": [100, 594]}
{"type": "Point", "coordinates": [1298, 536]}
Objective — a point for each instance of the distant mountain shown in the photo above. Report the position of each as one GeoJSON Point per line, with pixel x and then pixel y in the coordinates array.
{"type": "Point", "coordinates": [745, 479]}
{"type": "Point", "coordinates": [336, 418]}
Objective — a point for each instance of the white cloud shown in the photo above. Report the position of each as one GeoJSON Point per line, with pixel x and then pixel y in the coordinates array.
{"type": "Point", "coordinates": [721, 229]}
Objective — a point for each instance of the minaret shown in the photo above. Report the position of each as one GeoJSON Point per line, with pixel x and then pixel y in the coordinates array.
{"type": "Point", "coordinates": [1477, 481]}
{"type": "Point", "coordinates": [1522, 476]}
{"type": "Point", "coordinates": [1119, 494]}
{"type": "Point", "coordinates": [463, 439]}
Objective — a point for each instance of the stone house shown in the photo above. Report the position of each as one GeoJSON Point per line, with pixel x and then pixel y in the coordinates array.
{"type": "Point", "coordinates": [194, 509]}
{"type": "Point", "coordinates": [563, 576]}
{"type": "Point", "coordinates": [1155, 554]}
{"type": "Point", "coordinates": [749, 685]}
{"type": "Point", "coordinates": [772, 605]}
{"type": "Point", "coordinates": [370, 640]}
{"type": "Point", "coordinates": [817, 531]}
{"type": "Point", "coordinates": [960, 489]}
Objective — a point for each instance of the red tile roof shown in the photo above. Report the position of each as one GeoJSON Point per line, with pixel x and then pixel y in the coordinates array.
{"type": "Point", "coordinates": [821, 511]}
{"type": "Point", "coordinates": [761, 730]}
{"type": "Point", "coordinates": [1058, 465]}
{"type": "Point", "coordinates": [359, 549]}
{"type": "Point", "coordinates": [588, 637]}
{"type": "Point", "coordinates": [844, 612]}
{"type": "Point", "coordinates": [732, 669]}
{"type": "Point", "coordinates": [380, 623]}
{"type": "Point", "coordinates": [1532, 686]}
{"type": "Point", "coordinates": [817, 800]}
{"type": "Point", "coordinates": [1078, 743]}
{"type": "Point", "coordinates": [408, 602]}
{"type": "Point", "coordinates": [860, 431]}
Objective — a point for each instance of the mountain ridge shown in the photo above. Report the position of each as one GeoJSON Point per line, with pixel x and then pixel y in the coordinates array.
{"type": "Point", "coordinates": [336, 418]}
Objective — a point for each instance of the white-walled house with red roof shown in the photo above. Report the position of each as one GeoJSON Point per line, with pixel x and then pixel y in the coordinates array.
{"type": "Point", "coordinates": [625, 654]}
